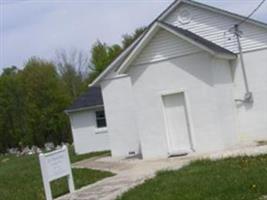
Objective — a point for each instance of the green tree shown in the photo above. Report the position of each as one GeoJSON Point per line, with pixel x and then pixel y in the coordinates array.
{"type": "Point", "coordinates": [13, 125]}
{"type": "Point", "coordinates": [32, 100]}
{"type": "Point", "coordinates": [46, 98]}
{"type": "Point", "coordinates": [32, 103]}
{"type": "Point", "coordinates": [102, 56]}
{"type": "Point", "coordinates": [128, 39]}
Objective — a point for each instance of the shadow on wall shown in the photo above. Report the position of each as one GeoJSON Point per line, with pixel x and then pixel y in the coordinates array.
{"type": "Point", "coordinates": [198, 65]}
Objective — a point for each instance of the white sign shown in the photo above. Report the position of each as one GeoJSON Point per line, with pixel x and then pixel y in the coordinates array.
{"type": "Point", "coordinates": [55, 165]}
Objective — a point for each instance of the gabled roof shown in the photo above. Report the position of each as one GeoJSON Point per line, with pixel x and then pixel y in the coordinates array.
{"type": "Point", "coordinates": [91, 98]}
{"type": "Point", "coordinates": [186, 35]}
{"type": "Point", "coordinates": [116, 63]}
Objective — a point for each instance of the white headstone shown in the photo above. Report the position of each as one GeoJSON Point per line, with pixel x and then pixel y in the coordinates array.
{"type": "Point", "coordinates": [55, 165]}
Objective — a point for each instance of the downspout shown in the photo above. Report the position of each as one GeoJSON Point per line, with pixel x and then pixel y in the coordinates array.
{"type": "Point", "coordinates": [248, 97]}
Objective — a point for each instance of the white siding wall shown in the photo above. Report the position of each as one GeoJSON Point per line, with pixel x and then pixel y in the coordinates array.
{"type": "Point", "coordinates": [86, 137]}
{"type": "Point", "coordinates": [252, 117]}
{"type": "Point", "coordinates": [121, 118]}
{"type": "Point", "coordinates": [210, 101]}
{"type": "Point", "coordinates": [215, 26]}
{"type": "Point", "coordinates": [164, 45]}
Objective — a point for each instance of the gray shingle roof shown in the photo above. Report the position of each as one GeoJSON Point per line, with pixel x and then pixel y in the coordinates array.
{"type": "Point", "coordinates": [92, 97]}
{"type": "Point", "coordinates": [210, 45]}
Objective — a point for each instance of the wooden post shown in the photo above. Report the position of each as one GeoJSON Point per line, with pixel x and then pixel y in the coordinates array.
{"type": "Point", "coordinates": [70, 177]}
{"type": "Point", "coordinates": [47, 188]}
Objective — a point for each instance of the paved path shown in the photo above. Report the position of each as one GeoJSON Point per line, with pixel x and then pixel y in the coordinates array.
{"type": "Point", "coordinates": [131, 173]}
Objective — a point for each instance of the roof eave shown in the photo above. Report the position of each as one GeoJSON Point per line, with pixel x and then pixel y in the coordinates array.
{"type": "Point", "coordinates": [68, 111]}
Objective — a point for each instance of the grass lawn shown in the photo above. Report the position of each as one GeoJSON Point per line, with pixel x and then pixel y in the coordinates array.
{"type": "Point", "coordinates": [243, 178]}
{"type": "Point", "coordinates": [20, 177]}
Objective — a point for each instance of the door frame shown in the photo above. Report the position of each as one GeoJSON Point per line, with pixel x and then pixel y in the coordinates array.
{"type": "Point", "coordinates": [187, 112]}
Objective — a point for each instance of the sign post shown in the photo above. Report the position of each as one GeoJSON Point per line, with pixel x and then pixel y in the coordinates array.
{"type": "Point", "coordinates": [55, 165]}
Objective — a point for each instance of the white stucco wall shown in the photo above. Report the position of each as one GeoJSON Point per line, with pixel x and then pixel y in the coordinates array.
{"type": "Point", "coordinates": [133, 104]}
{"type": "Point", "coordinates": [86, 137]}
{"type": "Point", "coordinates": [226, 110]}
{"type": "Point", "coordinates": [218, 121]}
{"type": "Point", "coordinates": [208, 85]}
{"type": "Point", "coordinates": [121, 117]}
{"type": "Point", "coordinates": [252, 117]}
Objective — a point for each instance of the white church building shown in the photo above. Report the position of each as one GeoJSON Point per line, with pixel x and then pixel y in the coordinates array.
{"type": "Point", "coordinates": [183, 86]}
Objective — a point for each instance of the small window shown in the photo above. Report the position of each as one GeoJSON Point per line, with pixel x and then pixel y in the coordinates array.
{"type": "Point", "coordinates": [100, 119]}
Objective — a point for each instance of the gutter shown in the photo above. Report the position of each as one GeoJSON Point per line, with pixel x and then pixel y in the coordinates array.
{"type": "Point", "coordinates": [82, 109]}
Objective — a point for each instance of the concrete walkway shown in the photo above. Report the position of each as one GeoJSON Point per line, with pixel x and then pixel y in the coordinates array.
{"type": "Point", "coordinates": [132, 172]}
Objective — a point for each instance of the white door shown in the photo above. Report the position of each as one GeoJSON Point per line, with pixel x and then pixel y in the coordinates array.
{"type": "Point", "coordinates": [177, 124]}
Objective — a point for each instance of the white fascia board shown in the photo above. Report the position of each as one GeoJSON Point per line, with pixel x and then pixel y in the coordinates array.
{"type": "Point", "coordinates": [138, 48]}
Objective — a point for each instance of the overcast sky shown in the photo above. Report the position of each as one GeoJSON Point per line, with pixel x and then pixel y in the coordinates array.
{"type": "Point", "coordinates": [40, 27]}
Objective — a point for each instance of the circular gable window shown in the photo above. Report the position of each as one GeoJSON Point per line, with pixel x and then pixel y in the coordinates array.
{"type": "Point", "coordinates": [184, 16]}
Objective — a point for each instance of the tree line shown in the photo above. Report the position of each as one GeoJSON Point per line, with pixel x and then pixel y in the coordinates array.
{"type": "Point", "coordinates": [33, 97]}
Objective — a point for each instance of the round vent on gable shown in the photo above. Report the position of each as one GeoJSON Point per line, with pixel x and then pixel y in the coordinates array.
{"type": "Point", "coordinates": [184, 16]}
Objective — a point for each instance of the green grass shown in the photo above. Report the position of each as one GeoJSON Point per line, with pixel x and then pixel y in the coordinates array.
{"type": "Point", "coordinates": [20, 177]}
{"type": "Point", "coordinates": [243, 178]}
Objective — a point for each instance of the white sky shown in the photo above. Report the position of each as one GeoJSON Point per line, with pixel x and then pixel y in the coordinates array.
{"type": "Point", "coordinates": [40, 27]}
